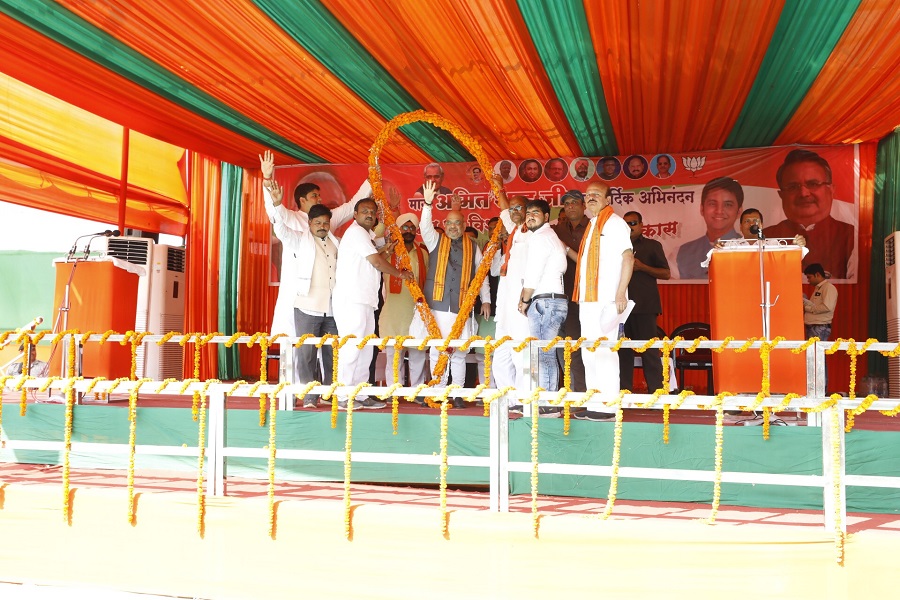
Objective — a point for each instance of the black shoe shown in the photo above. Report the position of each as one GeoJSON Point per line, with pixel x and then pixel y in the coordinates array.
{"type": "Point", "coordinates": [516, 409]}
{"type": "Point", "coordinates": [459, 403]}
{"type": "Point", "coordinates": [591, 415]}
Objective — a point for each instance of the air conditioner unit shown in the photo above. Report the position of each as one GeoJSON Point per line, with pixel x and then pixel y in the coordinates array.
{"type": "Point", "coordinates": [892, 296]}
{"type": "Point", "coordinates": [160, 305]}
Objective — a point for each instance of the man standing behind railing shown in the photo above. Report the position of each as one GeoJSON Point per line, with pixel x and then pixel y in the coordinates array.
{"type": "Point", "coordinates": [604, 266]}
{"type": "Point", "coordinates": [542, 299]}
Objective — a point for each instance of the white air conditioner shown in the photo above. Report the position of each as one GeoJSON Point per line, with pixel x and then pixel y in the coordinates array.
{"type": "Point", "coordinates": [892, 296]}
{"type": "Point", "coordinates": [160, 303]}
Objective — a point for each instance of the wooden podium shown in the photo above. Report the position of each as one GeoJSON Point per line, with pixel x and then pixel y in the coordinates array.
{"type": "Point", "coordinates": [735, 310]}
{"type": "Point", "coordinates": [102, 296]}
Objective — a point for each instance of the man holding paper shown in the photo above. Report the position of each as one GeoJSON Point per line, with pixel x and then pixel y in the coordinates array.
{"type": "Point", "coordinates": [605, 262]}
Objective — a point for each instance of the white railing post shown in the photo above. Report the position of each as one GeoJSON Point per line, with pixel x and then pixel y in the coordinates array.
{"type": "Point", "coordinates": [215, 444]}
{"type": "Point", "coordinates": [834, 471]}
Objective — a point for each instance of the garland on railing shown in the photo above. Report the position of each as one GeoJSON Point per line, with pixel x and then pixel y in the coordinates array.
{"type": "Point", "coordinates": [535, 417]}
{"type": "Point", "coordinates": [132, 429]}
{"type": "Point", "coordinates": [67, 445]}
{"type": "Point", "coordinates": [445, 404]}
{"type": "Point", "coordinates": [348, 451]}
{"type": "Point", "coordinates": [719, 405]}
{"type": "Point", "coordinates": [616, 456]}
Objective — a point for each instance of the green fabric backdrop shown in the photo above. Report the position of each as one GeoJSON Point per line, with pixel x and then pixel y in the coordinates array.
{"type": "Point", "coordinates": [229, 267]}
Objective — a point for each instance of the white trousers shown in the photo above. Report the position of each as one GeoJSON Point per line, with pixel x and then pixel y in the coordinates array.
{"type": "Point", "coordinates": [416, 365]}
{"type": "Point", "coordinates": [507, 367]}
{"type": "Point", "coordinates": [356, 319]}
{"type": "Point", "coordinates": [601, 368]}
{"type": "Point", "coordinates": [445, 320]}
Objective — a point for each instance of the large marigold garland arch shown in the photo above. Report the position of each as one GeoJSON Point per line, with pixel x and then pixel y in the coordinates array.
{"type": "Point", "coordinates": [472, 145]}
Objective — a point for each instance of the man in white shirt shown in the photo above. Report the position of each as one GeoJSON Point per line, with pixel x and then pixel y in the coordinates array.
{"type": "Point", "coordinates": [306, 196]}
{"type": "Point", "coordinates": [604, 265]}
{"type": "Point", "coordinates": [355, 298]}
{"type": "Point", "coordinates": [315, 251]}
{"type": "Point", "coordinates": [543, 299]}
{"type": "Point", "coordinates": [453, 261]}
{"type": "Point", "coordinates": [507, 367]}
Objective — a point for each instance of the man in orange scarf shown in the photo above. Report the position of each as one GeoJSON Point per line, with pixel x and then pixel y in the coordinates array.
{"type": "Point", "coordinates": [605, 262]}
{"type": "Point", "coordinates": [399, 305]}
{"type": "Point", "coordinates": [453, 261]}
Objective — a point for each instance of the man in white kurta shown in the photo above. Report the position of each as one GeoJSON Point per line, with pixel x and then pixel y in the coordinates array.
{"type": "Point", "coordinates": [293, 264]}
{"type": "Point", "coordinates": [355, 298]}
{"type": "Point", "coordinates": [508, 369]}
{"type": "Point", "coordinates": [610, 289]}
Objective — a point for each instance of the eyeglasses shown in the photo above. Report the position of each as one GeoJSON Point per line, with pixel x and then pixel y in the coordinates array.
{"type": "Point", "coordinates": [812, 185]}
{"type": "Point", "coordinates": [517, 208]}
{"type": "Point", "coordinates": [407, 227]}
{"type": "Point", "coordinates": [632, 223]}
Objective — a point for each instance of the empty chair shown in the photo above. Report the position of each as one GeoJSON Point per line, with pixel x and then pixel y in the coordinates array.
{"type": "Point", "coordinates": [700, 359]}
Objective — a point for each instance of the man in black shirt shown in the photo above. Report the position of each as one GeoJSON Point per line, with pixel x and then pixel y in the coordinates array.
{"type": "Point", "coordinates": [650, 264]}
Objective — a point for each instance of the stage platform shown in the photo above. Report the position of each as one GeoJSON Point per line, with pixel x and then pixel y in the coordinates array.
{"type": "Point", "coordinates": [645, 549]}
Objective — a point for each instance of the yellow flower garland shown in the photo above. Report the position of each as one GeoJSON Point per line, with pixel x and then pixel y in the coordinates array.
{"type": "Point", "coordinates": [348, 445]}
{"type": "Point", "coordinates": [720, 438]}
{"type": "Point", "coordinates": [270, 491]}
{"type": "Point", "coordinates": [67, 445]}
{"type": "Point", "coordinates": [469, 298]}
{"type": "Point", "coordinates": [535, 417]}
{"type": "Point", "coordinates": [617, 453]}
{"type": "Point", "coordinates": [201, 458]}
{"type": "Point", "coordinates": [836, 479]}
{"type": "Point", "coordinates": [3, 380]}
{"type": "Point", "coordinates": [132, 428]}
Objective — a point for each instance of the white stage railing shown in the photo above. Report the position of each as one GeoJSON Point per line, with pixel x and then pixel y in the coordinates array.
{"type": "Point", "coordinates": [833, 479]}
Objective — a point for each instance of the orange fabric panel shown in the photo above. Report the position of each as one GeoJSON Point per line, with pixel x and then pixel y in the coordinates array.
{"type": "Point", "coordinates": [676, 74]}
{"type": "Point", "coordinates": [206, 43]}
{"type": "Point", "coordinates": [735, 311]}
{"type": "Point", "coordinates": [102, 297]}
{"type": "Point", "coordinates": [40, 62]}
{"type": "Point", "coordinates": [865, 60]}
{"type": "Point", "coordinates": [201, 310]}
{"type": "Point", "coordinates": [430, 49]}
{"type": "Point", "coordinates": [254, 310]}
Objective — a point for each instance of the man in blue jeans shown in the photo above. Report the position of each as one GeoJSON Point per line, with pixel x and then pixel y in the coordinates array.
{"type": "Point", "coordinates": [543, 299]}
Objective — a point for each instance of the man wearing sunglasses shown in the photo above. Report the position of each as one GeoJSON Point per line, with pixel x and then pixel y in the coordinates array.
{"type": "Point", "coordinates": [805, 187]}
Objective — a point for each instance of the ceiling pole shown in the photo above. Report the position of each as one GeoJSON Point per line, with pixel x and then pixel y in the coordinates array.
{"type": "Point", "coordinates": [123, 179]}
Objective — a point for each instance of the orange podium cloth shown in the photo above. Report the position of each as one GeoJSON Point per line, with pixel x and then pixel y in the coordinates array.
{"type": "Point", "coordinates": [734, 302]}
{"type": "Point", "coordinates": [103, 296]}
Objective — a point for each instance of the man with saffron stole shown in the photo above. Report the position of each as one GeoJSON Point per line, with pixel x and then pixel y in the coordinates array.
{"type": "Point", "coordinates": [605, 262]}
{"type": "Point", "coordinates": [399, 305]}
{"type": "Point", "coordinates": [453, 261]}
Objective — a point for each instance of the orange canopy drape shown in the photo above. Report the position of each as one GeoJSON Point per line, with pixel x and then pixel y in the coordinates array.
{"type": "Point", "coordinates": [202, 241]}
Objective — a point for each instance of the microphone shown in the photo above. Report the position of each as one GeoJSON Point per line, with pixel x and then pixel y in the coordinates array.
{"type": "Point", "coordinates": [93, 236]}
{"type": "Point", "coordinates": [107, 233]}
{"type": "Point", "coordinates": [756, 230]}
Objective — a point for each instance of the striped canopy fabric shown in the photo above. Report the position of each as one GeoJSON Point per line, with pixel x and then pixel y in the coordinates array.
{"type": "Point", "coordinates": [315, 80]}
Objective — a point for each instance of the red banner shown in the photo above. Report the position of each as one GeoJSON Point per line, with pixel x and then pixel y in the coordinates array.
{"type": "Point", "coordinates": [818, 196]}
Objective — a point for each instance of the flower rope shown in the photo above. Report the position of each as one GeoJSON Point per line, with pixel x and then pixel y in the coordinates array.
{"type": "Point", "coordinates": [375, 179]}
{"type": "Point", "coordinates": [445, 404]}
{"type": "Point", "coordinates": [201, 457]}
{"type": "Point", "coordinates": [839, 534]}
{"type": "Point", "coordinates": [617, 453]}
{"type": "Point", "coordinates": [270, 491]}
{"type": "Point", "coordinates": [535, 417]}
{"type": "Point", "coordinates": [132, 428]}
{"type": "Point", "coordinates": [67, 443]}
{"type": "Point", "coordinates": [720, 439]}
{"type": "Point", "coordinates": [348, 445]}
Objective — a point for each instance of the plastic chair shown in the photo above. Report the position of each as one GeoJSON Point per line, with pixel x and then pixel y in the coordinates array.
{"type": "Point", "coordinates": [700, 359]}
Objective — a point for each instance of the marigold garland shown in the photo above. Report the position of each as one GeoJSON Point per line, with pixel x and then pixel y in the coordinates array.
{"type": "Point", "coordinates": [67, 442]}
{"type": "Point", "coordinates": [617, 453]}
{"type": "Point", "coordinates": [445, 403]}
{"type": "Point", "coordinates": [489, 347]}
{"type": "Point", "coordinates": [839, 534]}
{"type": "Point", "coordinates": [535, 417]}
{"type": "Point", "coordinates": [270, 491]}
{"type": "Point", "coordinates": [475, 149]}
{"type": "Point", "coordinates": [20, 387]}
{"type": "Point", "coordinates": [3, 380]}
{"type": "Point", "coordinates": [132, 428]}
{"type": "Point", "coordinates": [348, 445]}
{"type": "Point", "coordinates": [201, 458]}
{"type": "Point", "coordinates": [720, 439]}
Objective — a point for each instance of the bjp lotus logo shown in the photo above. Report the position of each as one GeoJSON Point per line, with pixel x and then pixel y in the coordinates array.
{"type": "Point", "coordinates": [693, 163]}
